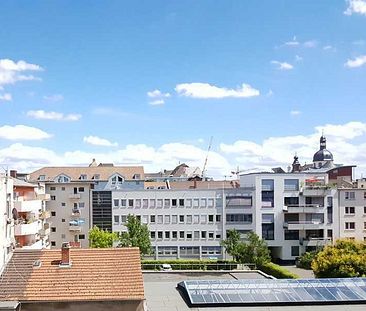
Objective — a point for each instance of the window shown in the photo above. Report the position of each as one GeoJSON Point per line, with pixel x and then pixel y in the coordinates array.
{"type": "Point", "coordinates": [292, 235]}
{"type": "Point", "coordinates": [160, 235]}
{"type": "Point", "coordinates": [174, 219]}
{"type": "Point", "coordinates": [52, 188]}
{"type": "Point", "coordinates": [63, 220]}
{"type": "Point", "coordinates": [364, 209]}
{"type": "Point", "coordinates": [218, 236]}
{"type": "Point", "coordinates": [189, 235]}
{"type": "Point", "coordinates": [81, 204]}
{"type": "Point", "coordinates": [166, 203]}
{"type": "Point", "coordinates": [174, 234]}
{"type": "Point", "coordinates": [63, 236]}
{"type": "Point", "coordinates": [152, 219]}
{"type": "Point", "coordinates": [123, 202]}
{"type": "Point", "coordinates": [196, 235]}
{"type": "Point", "coordinates": [116, 180]}
{"type": "Point", "coordinates": [181, 219]}
{"type": "Point", "coordinates": [152, 235]}
{"type": "Point", "coordinates": [159, 203]}
{"type": "Point", "coordinates": [364, 195]}
{"type": "Point", "coordinates": [53, 197]}
{"type": "Point", "coordinates": [203, 219]}
{"type": "Point", "coordinates": [181, 202]}
{"type": "Point", "coordinates": [174, 202]}
{"type": "Point", "coordinates": [53, 213]}
{"type": "Point", "coordinates": [42, 177]}
{"type": "Point", "coordinates": [291, 185]}
{"type": "Point", "coordinates": [189, 203]}
{"type": "Point", "coordinates": [63, 204]}
{"type": "Point", "coordinates": [116, 219]}
{"type": "Point", "coordinates": [138, 203]}
{"type": "Point", "coordinates": [218, 218]}
{"type": "Point", "coordinates": [160, 219]}
{"type": "Point", "coordinates": [196, 203]}
{"type": "Point", "coordinates": [189, 219]}
{"type": "Point", "coordinates": [295, 250]}
{"type": "Point", "coordinates": [210, 218]}
{"type": "Point", "coordinates": [115, 202]}
{"type": "Point", "coordinates": [167, 219]}
{"type": "Point", "coordinates": [130, 203]}
{"type": "Point", "coordinates": [145, 203]}
{"type": "Point", "coordinates": [196, 219]}
{"type": "Point", "coordinates": [349, 195]}
{"type": "Point", "coordinates": [123, 219]}
{"type": "Point", "coordinates": [350, 225]}
{"type": "Point", "coordinates": [62, 179]}
{"type": "Point", "coordinates": [96, 176]}
{"type": "Point", "coordinates": [81, 236]}
{"type": "Point", "coordinates": [239, 218]}
{"type": "Point", "coordinates": [53, 243]}
{"type": "Point", "coordinates": [203, 234]}
{"type": "Point", "coordinates": [63, 188]}
{"type": "Point", "coordinates": [181, 234]}
{"type": "Point", "coordinates": [211, 235]}
{"type": "Point", "coordinates": [53, 229]}
{"type": "Point", "coordinates": [203, 203]}
{"type": "Point", "coordinates": [364, 226]}
{"type": "Point", "coordinates": [349, 210]}
{"type": "Point", "coordinates": [81, 189]}
{"type": "Point", "coordinates": [167, 235]}
{"type": "Point", "coordinates": [267, 184]}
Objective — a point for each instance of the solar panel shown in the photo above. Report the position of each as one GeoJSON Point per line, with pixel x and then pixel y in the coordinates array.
{"type": "Point", "coordinates": [271, 292]}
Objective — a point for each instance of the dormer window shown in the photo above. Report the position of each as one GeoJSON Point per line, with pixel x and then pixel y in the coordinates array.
{"type": "Point", "coordinates": [83, 177]}
{"type": "Point", "coordinates": [62, 179]}
{"type": "Point", "coordinates": [117, 180]}
{"type": "Point", "coordinates": [136, 176]}
{"type": "Point", "coordinates": [42, 177]}
{"type": "Point", "coordinates": [96, 176]}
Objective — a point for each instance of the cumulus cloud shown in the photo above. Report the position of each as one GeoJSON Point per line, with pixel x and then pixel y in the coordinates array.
{"type": "Point", "coordinates": [296, 43]}
{"type": "Point", "coordinates": [205, 91]}
{"type": "Point", "coordinates": [356, 6]}
{"type": "Point", "coordinates": [53, 98]}
{"type": "Point", "coordinates": [97, 141]}
{"type": "Point", "coordinates": [12, 72]}
{"type": "Point", "coordinates": [282, 65]}
{"type": "Point", "coordinates": [6, 97]}
{"type": "Point", "coordinates": [158, 98]}
{"type": "Point", "coordinates": [356, 62]}
{"type": "Point", "coordinates": [52, 115]}
{"type": "Point", "coordinates": [22, 132]}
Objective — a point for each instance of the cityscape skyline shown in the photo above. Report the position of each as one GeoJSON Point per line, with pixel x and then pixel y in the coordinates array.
{"type": "Point", "coordinates": [149, 84]}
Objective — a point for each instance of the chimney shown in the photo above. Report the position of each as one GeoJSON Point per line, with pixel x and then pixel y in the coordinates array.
{"type": "Point", "coordinates": [13, 173]}
{"type": "Point", "coordinates": [65, 255]}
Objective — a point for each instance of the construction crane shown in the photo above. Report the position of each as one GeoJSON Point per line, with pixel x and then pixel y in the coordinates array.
{"type": "Point", "coordinates": [208, 151]}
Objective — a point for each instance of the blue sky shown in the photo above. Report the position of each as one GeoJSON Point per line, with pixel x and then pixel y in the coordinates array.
{"type": "Point", "coordinates": [150, 81]}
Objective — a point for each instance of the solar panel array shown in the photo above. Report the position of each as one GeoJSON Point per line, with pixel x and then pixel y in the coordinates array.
{"type": "Point", "coordinates": [271, 292]}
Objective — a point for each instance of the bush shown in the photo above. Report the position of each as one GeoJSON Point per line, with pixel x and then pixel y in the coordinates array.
{"type": "Point", "coordinates": [277, 271]}
{"type": "Point", "coordinates": [180, 264]}
{"type": "Point", "coordinates": [306, 259]}
{"type": "Point", "coordinates": [344, 259]}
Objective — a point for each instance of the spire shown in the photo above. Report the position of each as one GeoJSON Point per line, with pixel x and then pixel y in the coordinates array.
{"type": "Point", "coordinates": [323, 142]}
{"type": "Point", "coordinates": [296, 164]}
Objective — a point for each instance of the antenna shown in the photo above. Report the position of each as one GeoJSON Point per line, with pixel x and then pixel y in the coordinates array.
{"type": "Point", "coordinates": [208, 151]}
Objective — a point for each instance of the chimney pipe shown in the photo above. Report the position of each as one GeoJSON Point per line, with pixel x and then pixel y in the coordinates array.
{"type": "Point", "coordinates": [13, 173]}
{"type": "Point", "coordinates": [65, 255]}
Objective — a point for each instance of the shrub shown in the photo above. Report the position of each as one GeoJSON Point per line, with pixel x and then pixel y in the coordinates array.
{"type": "Point", "coordinates": [277, 271]}
{"type": "Point", "coordinates": [306, 259]}
{"type": "Point", "coordinates": [180, 264]}
{"type": "Point", "coordinates": [344, 259]}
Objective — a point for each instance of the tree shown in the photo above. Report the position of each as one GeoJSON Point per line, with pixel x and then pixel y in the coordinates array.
{"type": "Point", "coordinates": [346, 258]}
{"type": "Point", "coordinates": [101, 239]}
{"type": "Point", "coordinates": [137, 235]}
{"type": "Point", "coordinates": [252, 250]}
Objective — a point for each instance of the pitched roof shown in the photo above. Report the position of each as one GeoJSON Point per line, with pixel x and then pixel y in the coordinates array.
{"type": "Point", "coordinates": [74, 172]}
{"type": "Point", "coordinates": [95, 274]}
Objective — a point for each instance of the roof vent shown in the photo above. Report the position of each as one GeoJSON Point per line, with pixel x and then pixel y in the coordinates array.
{"type": "Point", "coordinates": [37, 263]}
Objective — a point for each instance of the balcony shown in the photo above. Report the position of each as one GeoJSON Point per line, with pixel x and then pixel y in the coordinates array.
{"type": "Point", "coordinates": [75, 213]}
{"type": "Point", "coordinates": [267, 204]}
{"type": "Point", "coordinates": [317, 242]}
{"type": "Point", "coordinates": [315, 191]}
{"type": "Point", "coordinates": [74, 196]}
{"type": "Point", "coordinates": [34, 245]}
{"type": "Point", "coordinates": [27, 229]}
{"type": "Point", "coordinates": [303, 225]}
{"type": "Point", "coordinates": [75, 228]}
{"type": "Point", "coordinates": [45, 215]}
{"type": "Point", "coordinates": [303, 208]}
{"type": "Point", "coordinates": [43, 197]}
{"type": "Point", "coordinates": [75, 244]}
{"type": "Point", "coordinates": [27, 205]}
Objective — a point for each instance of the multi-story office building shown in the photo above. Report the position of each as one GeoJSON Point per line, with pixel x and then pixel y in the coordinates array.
{"type": "Point", "coordinates": [7, 241]}
{"type": "Point", "coordinates": [70, 190]}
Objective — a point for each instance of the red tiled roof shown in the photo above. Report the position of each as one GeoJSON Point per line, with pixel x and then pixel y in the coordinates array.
{"type": "Point", "coordinates": [95, 274]}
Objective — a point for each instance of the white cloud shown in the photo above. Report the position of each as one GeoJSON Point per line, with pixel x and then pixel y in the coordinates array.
{"type": "Point", "coordinates": [282, 65]}
{"type": "Point", "coordinates": [298, 58]}
{"type": "Point", "coordinates": [158, 96]}
{"type": "Point", "coordinates": [22, 132]}
{"type": "Point", "coordinates": [97, 141]}
{"type": "Point", "coordinates": [296, 43]}
{"type": "Point", "coordinates": [295, 112]}
{"type": "Point", "coordinates": [53, 98]}
{"type": "Point", "coordinates": [205, 90]}
{"type": "Point", "coordinates": [357, 62]}
{"type": "Point", "coordinates": [356, 6]}
{"type": "Point", "coordinates": [310, 44]}
{"type": "Point", "coordinates": [327, 47]}
{"type": "Point", "coordinates": [11, 72]}
{"type": "Point", "coordinates": [6, 97]}
{"type": "Point", "coordinates": [52, 115]}
{"type": "Point", "coordinates": [293, 42]}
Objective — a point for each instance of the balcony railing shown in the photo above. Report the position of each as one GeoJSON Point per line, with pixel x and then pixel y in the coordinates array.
{"type": "Point", "coordinates": [43, 197]}
{"type": "Point", "coordinates": [303, 224]}
{"type": "Point", "coordinates": [303, 208]}
{"type": "Point", "coordinates": [74, 196]}
{"type": "Point", "coordinates": [75, 228]}
{"type": "Point", "coordinates": [27, 205]}
{"type": "Point", "coordinates": [26, 228]}
{"type": "Point", "coordinates": [317, 241]}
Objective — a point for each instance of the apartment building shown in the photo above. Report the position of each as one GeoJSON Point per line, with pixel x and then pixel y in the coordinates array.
{"type": "Point", "coordinates": [70, 190]}
{"type": "Point", "coordinates": [32, 228]}
{"type": "Point", "coordinates": [7, 241]}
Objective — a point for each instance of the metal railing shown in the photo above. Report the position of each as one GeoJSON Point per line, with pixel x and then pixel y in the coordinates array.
{"type": "Point", "coordinates": [198, 266]}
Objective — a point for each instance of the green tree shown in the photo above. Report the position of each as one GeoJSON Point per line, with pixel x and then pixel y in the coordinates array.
{"type": "Point", "coordinates": [137, 235]}
{"type": "Point", "coordinates": [101, 239]}
{"type": "Point", "coordinates": [345, 258]}
{"type": "Point", "coordinates": [252, 250]}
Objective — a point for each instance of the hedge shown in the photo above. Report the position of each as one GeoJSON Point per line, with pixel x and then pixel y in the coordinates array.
{"type": "Point", "coordinates": [277, 271]}
{"type": "Point", "coordinates": [190, 264]}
